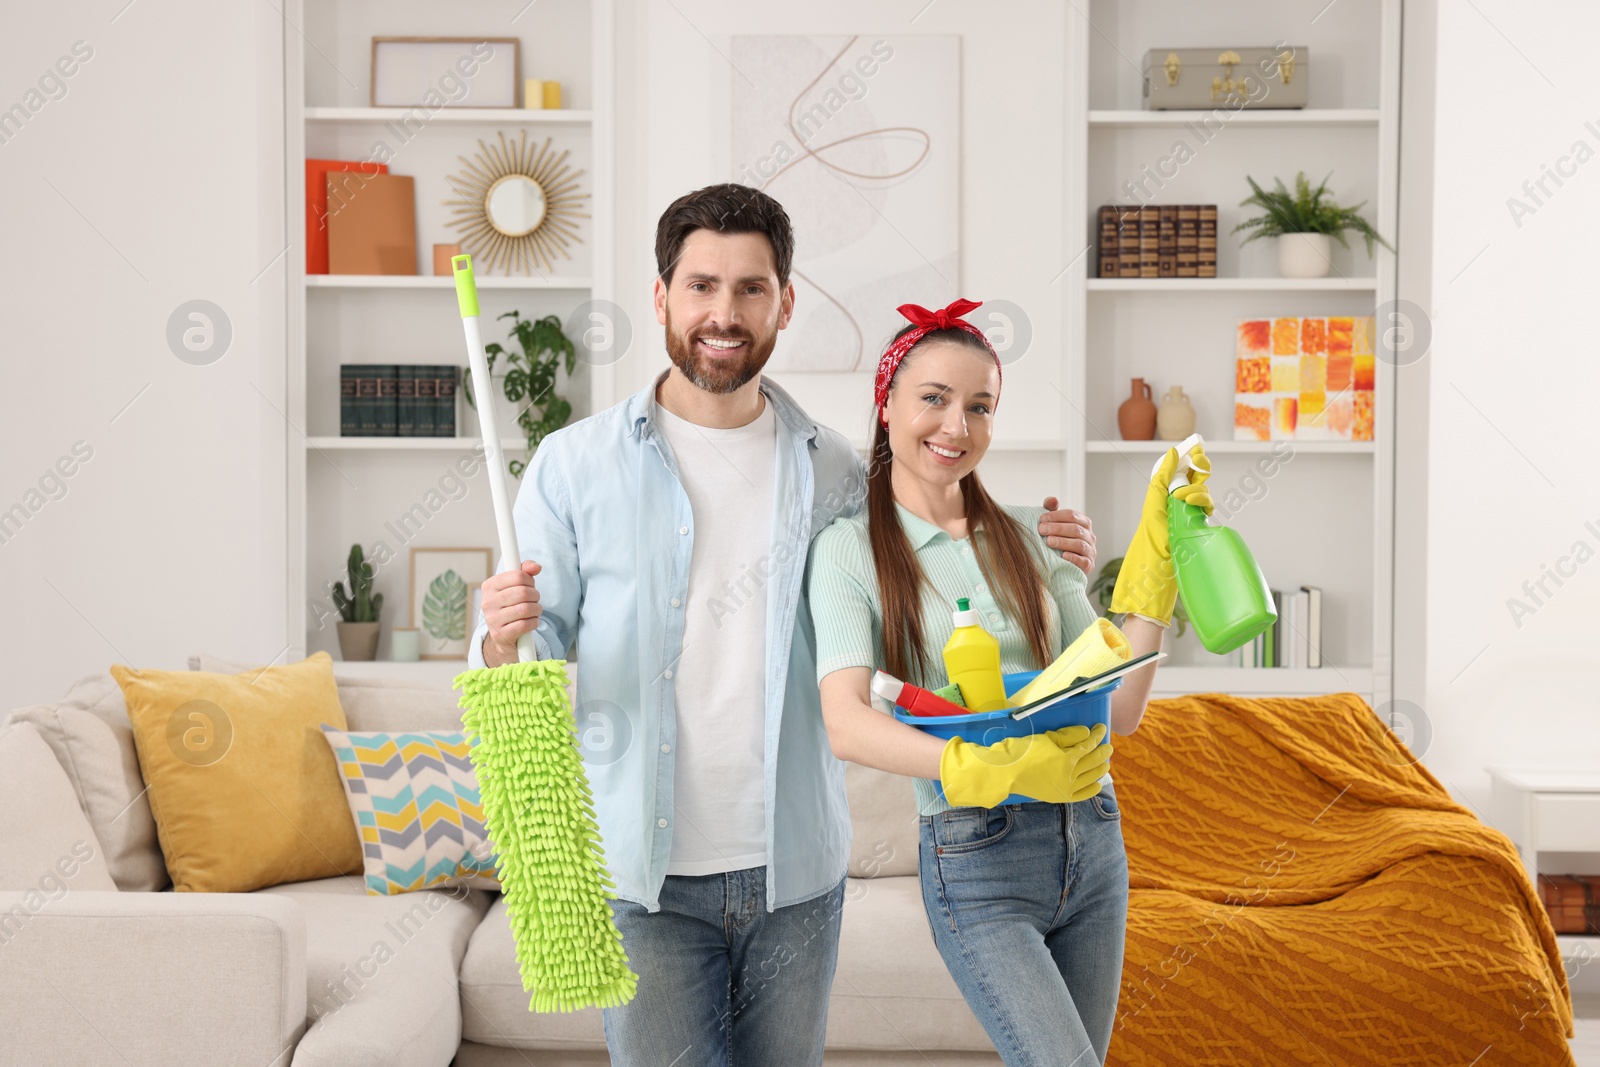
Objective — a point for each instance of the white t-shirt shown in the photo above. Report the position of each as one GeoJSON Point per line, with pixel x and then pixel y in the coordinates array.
{"type": "Point", "coordinates": [718, 794]}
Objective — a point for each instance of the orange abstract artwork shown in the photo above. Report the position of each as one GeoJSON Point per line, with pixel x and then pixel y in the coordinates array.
{"type": "Point", "coordinates": [1253, 374]}
{"type": "Point", "coordinates": [1255, 336]}
{"type": "Point", "coordinates": [1285, 337]}
{"type": "Point", "coordinates": [1313, 337]}
{"type": "Point", "coordinates": [1363, 372]}
{"type": "Point", "coordinates": [1250, 419]}
{"type": "Point", "coordinates": [1339, 336]}
{"type": "Point", "coordinates": [1362, 430]}
{"type": "Point", "coordinates": [1285, 416]}
{"type": "Point", "coordinates": [1304, 379]}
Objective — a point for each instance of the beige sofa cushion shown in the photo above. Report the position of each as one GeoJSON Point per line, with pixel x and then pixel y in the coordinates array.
{"type": "Point", "coordinates": [92, 740]}
{"type": "Point", "coordinates": [883, 822]}
{"type": "Point", "coordinates": [370, 704]}
{"type": "Point", "coordinates": [890, 969]}
{"type": "Point", "coordinates": [50, 848]}
{"type": "Point", "coordinates": [381, 972]}
{"type": "Point", "coordinates": [494, 1007]}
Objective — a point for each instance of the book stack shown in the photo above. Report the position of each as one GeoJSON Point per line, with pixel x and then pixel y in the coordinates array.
{"type": "Point", "coordinates": [1170, 241]}
{"type": "Point", "coordinates": [398, 399]}
{"type": "Point", "coordinates": [1295, 640]}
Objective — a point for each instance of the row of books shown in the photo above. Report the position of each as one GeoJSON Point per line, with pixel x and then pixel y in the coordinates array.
{"type": "Point", "coordinates": [1295, 640]}
{"type": "Point", "coordinates": [1169, 241]}
{"type": "Point", "coordinates": [398, 399]}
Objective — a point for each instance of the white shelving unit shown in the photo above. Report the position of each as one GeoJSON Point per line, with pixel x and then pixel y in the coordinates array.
{"type": "Point", "coordinates": [1233, 285]}
{"type": "Point", "coordinates": [396, 494]}
{"type": "Point", "coordinates": [478, 115]}
{"type": "Point", "coordinates": [431, 281]}
{"type": "Point", "coordinates": [1326, 116]}
{"type": "Point", "coordinates": [1324, 516]}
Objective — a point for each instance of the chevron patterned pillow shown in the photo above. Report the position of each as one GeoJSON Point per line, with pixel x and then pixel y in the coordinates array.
{"type": "Point", "coordinates": [414, 797]}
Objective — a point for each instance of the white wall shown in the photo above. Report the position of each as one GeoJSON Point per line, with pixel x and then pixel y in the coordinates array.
{"type": "Point", "coordinates": [1512, 395]}
{"type": "Point", "coordinates": [672, 137]}
{"type": "Point", "coordinates": [154, 180]}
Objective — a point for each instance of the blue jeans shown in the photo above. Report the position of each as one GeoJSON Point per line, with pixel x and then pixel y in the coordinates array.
{"type": "Point", "coordinates": [1028, 904]}
{"type": "Point", "coordinates": [721, 980]}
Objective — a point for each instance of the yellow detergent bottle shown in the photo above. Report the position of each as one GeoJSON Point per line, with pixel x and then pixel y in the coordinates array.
{"type": "Point", "coordinates": [972, 661]}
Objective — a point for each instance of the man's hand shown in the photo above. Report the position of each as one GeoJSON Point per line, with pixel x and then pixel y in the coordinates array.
{"type": "Point", "coordinates": [511, 608]}
{"type": "Point", "coordinates": [1070, 533]}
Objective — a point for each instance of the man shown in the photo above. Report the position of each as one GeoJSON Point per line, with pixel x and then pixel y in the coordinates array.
{"type": "Point", "coordinates": [667, 536]}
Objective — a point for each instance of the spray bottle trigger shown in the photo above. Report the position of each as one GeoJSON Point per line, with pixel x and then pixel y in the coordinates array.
{"type": "Point", "coordinates": [1180, 477]}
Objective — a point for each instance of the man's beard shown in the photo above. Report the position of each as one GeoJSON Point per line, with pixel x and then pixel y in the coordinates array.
{"type": "Point", "coordinates": [720, 376]}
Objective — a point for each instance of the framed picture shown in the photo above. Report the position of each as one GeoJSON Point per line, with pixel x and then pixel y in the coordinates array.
{"type": "Point", "coordinates": [436, 72]}
{"type": "Point", "coordinates": [441, 587]}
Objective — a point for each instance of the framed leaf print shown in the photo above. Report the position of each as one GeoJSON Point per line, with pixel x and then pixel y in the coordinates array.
{"type": "Point", "coordinates": [442, 580]}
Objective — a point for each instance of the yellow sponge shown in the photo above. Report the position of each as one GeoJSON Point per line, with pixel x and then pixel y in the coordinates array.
{"type": "Point", "coordinates": [1099, 648]}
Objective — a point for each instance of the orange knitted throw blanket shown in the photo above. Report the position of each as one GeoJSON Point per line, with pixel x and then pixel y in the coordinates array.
{"type": "Point", "coordinates": [1303, 891]}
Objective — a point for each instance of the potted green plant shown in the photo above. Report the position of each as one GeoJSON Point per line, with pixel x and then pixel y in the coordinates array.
{"type": "Point", "coordinates": [358, 610]}
{"type": "Point", "coordinates": [531, 374]}
{"type": "Point", "coordinates": [1302, 221]}
{"type": "Point", "coordinates": [1106, 582]}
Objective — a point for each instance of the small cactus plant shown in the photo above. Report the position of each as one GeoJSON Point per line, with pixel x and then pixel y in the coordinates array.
{"type": "Point", "coordinates": [359, 605]}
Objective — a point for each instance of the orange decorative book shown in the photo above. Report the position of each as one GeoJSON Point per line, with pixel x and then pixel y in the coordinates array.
{"type": "Point", "coordinates": [1304, 379]}
{"type": "Point", "coordinates": [374, 229]}
{"type": "Point", "coordinates": [317, 203]}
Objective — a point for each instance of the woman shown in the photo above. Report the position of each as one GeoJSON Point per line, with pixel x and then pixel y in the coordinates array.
{"type": "Point", "coordinates": [1027, 902]}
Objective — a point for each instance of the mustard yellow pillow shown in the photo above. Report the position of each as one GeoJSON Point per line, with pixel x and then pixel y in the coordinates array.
{"type": "Point", "coordinates": [244, 790]}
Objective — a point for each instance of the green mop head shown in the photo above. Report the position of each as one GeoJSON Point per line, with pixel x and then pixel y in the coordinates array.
{"type": "Point", "coordinates": [538, 812]}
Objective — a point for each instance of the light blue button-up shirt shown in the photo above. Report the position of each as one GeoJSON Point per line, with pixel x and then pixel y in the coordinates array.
{"type": "Point", "coordinates": [603, 512]}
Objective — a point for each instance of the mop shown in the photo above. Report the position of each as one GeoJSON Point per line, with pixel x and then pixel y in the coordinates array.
{"type": "Point", "coordinates": [537, 806]}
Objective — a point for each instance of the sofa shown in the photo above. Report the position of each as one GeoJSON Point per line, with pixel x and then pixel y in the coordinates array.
{"type": "Point", "coordinates": [320, 973]}
{"type": "Point", "coordinates": [1335, 901]}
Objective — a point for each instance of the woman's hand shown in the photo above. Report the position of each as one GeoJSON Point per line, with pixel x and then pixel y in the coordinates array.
{"type": "Point", "coordinates": [1147, 584]}
{"type": "Point", "coordinates": [1059, 766]}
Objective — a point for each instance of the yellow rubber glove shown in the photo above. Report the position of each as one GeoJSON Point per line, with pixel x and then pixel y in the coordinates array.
{"type": "Point", "coordinates": [1059, 766]}
{"type": "Point", "coordinates": [1147, 585]}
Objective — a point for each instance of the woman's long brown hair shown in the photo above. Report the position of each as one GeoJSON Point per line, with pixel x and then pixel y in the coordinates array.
{"type": "Point", "coordinates": [1003, 556]}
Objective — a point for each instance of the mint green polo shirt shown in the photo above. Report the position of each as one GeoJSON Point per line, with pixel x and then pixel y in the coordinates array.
{"type": "Point", "coordinates": [842, 585]}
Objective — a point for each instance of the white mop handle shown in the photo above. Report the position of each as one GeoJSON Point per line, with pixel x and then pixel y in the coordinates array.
{"type": "Point", "coordinates": [483, 397]}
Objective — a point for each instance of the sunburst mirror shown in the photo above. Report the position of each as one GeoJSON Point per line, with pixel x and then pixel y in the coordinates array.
{"type": "Point", "coordinates": [520, 208]}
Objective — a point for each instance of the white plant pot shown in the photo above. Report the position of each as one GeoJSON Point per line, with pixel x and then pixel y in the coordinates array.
{"type": "Point", "coordinates": [1304, 255]}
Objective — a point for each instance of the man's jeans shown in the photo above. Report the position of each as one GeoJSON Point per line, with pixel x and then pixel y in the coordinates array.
{"type": "Point", "coordinates": [1028, 904]}
{"type": "Point", "coordinates": [721, 981]}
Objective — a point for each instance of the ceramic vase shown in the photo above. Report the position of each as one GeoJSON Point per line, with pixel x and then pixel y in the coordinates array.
{"type": "Point", "coordinates": [1175, 420]}
{"type": "Point", "coordinates": [1136, 418]}
{"type": "Point", "coordinates": [1304, 255]}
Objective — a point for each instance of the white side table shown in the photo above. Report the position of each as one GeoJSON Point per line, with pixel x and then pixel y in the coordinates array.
{"type": "Point", "coordinates": [1549, 810]}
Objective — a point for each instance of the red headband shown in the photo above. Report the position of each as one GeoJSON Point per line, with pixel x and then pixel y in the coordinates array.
{"type": "Point", "coordinates": [925, 322]}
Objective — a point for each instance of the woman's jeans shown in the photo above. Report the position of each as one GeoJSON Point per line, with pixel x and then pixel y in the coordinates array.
{"type": "Point", "coordinates": [1028, 905]}
{"type": "Point", "coordinates": [721, 980]}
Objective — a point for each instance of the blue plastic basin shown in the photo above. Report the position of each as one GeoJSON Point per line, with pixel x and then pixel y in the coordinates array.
{"type": "Point", "coordinates": [991, 727]}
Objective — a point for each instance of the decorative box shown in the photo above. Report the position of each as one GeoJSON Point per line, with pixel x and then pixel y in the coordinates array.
{"type": "Point", "coordinates": [1573, 901]}
{"type": "Point", "coordinates": [1201, 79]}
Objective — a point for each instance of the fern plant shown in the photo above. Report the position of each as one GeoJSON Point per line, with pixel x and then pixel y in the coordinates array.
{"type": "Point", "coordinates": [1306, 210]}
{"type": "Point", "coordinates": [531, 375]}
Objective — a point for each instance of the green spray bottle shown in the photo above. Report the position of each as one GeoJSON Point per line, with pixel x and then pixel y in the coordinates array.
{"type": "Point", "coordinates": [1222, 587]}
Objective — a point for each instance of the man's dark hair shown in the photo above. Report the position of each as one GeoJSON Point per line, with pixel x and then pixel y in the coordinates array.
{"type": "Point", "coordinates": [726, 208]}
